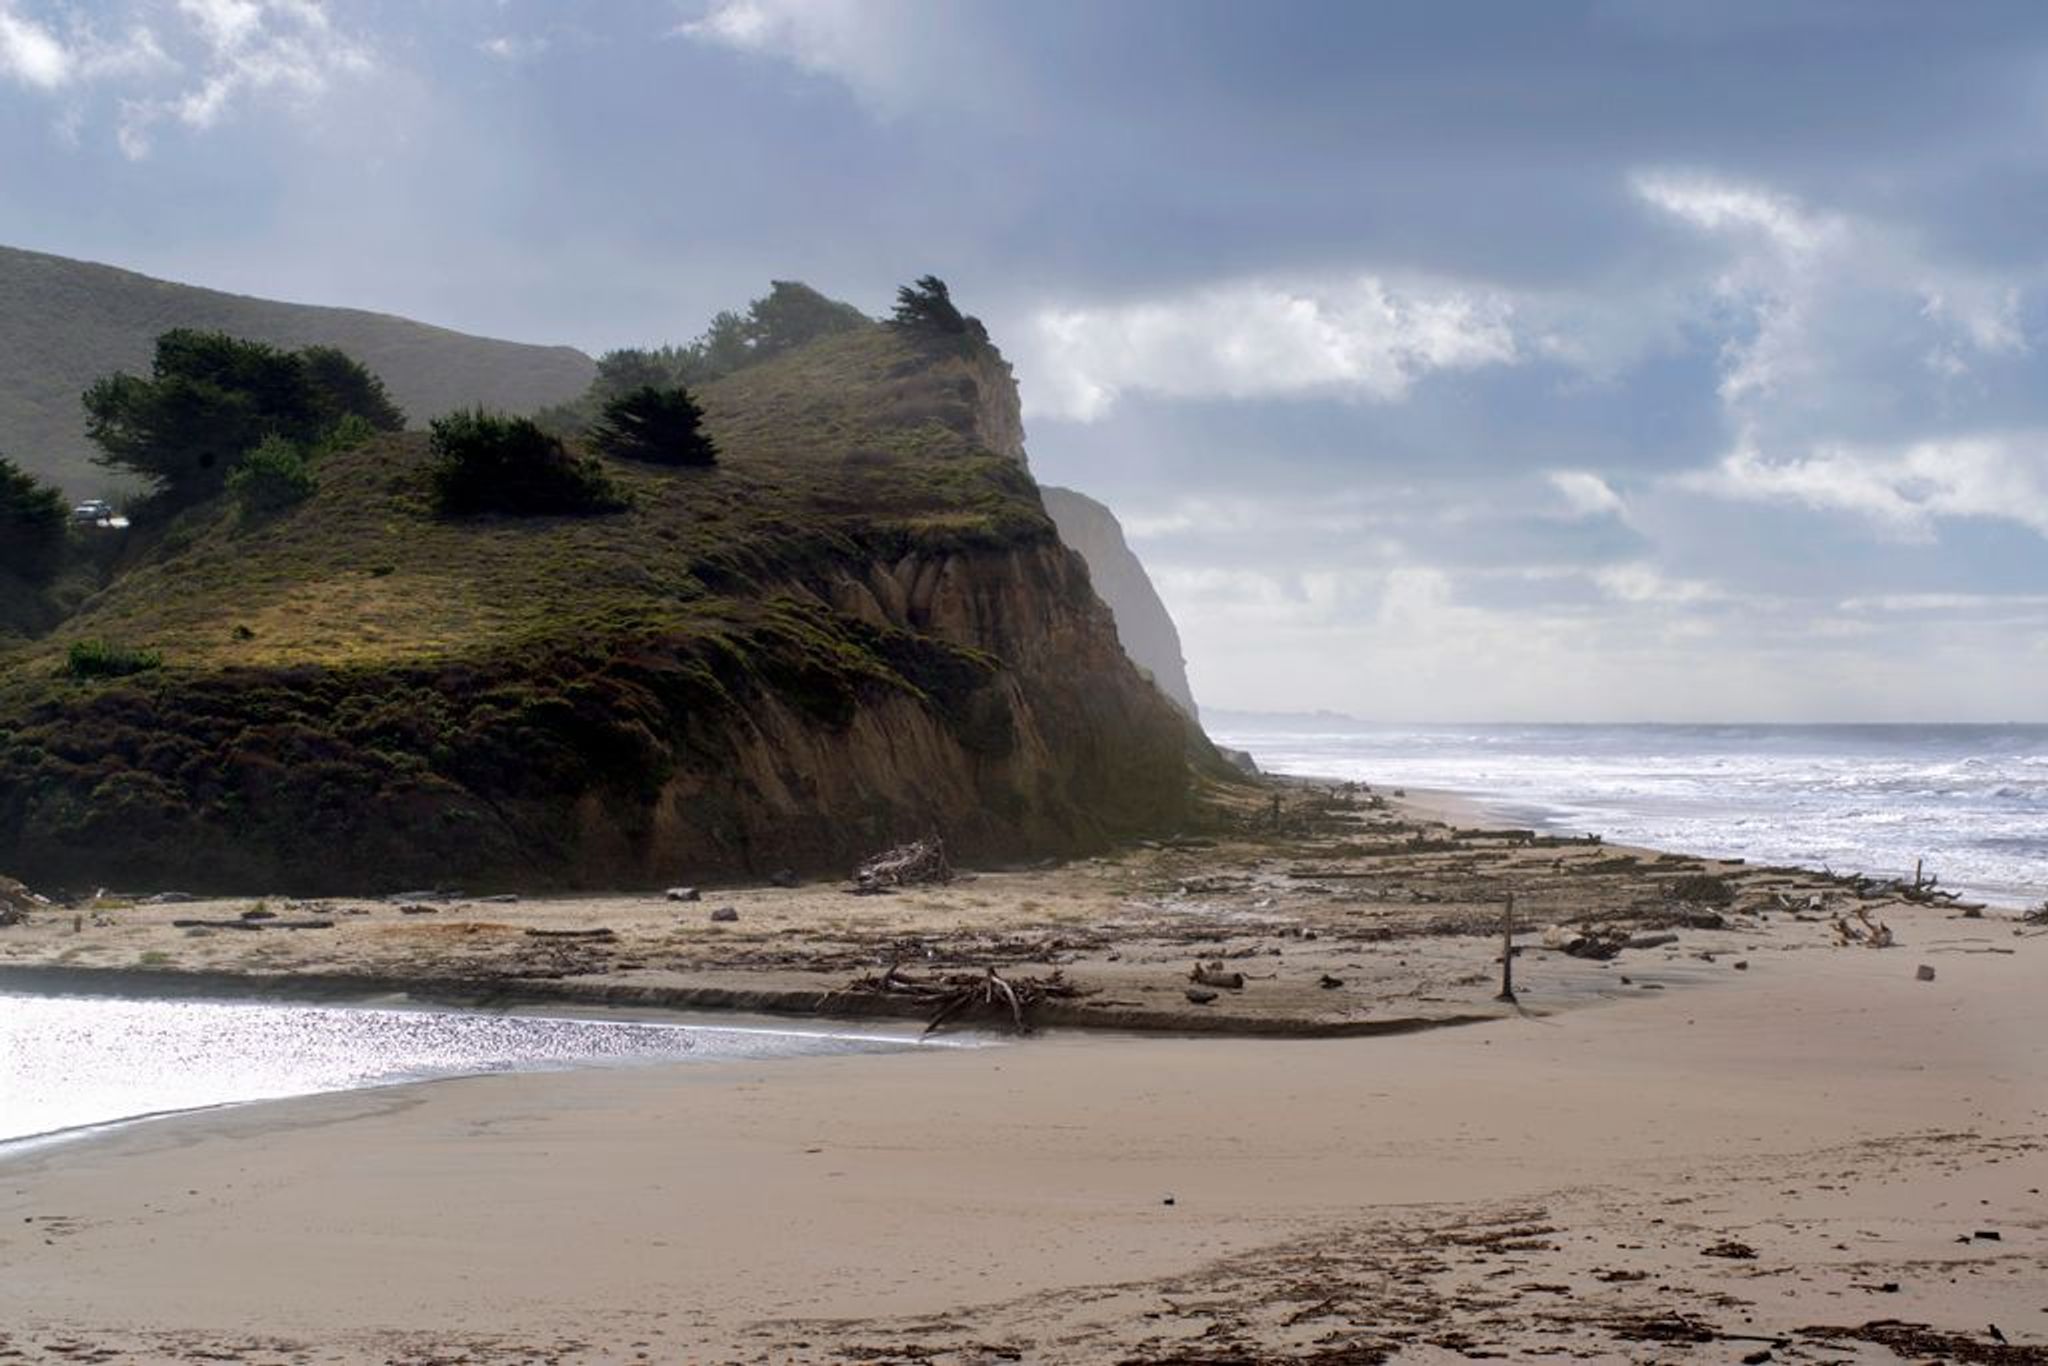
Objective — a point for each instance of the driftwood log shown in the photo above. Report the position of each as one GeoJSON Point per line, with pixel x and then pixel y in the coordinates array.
{"type": "Point", "coordinates": [600, 933]}
{"type": "Point", "coordinates": [272, 924]}
{"type": "Point", "coordinates": [953, 994]}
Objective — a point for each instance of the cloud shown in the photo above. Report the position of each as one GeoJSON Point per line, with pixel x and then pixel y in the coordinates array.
{"type": "Point", "coordinates": [30, 53]}
{"type": "Point", "coordinates": [191, 61]}
{"type": "Point", "coordinates": [1903, 490]}
{"type": "Point", "coordinates": [1642, 583]}
{"type": "Point", "coordinates": [1947, 603]}
{"type": "Point", "coordinates": [872, 48]}
{"type": "Point", "coordinates": [1357, 338]}
{"type": "Point", "coordinates": [514, 47]}
{"type": "Point", "coordinates": [1587, 495]}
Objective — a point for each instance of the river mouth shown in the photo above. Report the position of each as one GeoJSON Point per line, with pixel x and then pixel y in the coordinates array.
{"type": "Point", "coordinates": [73, 1065]}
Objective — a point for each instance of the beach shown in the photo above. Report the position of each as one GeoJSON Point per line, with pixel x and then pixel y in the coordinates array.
{"type": "Point", "coordinates": [1746, 1138]}
{"type": "Point", "coordinates": [1555, 1185]}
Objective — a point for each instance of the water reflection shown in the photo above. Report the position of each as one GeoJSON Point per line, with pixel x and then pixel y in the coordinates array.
{"type": "Point", "coordinates": [68, 1062]}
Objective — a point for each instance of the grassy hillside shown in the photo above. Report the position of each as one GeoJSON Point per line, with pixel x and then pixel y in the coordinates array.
{"type": "Point", "coordinates": [360, 683]}
{"type": "Point", "coordinates": [65, 323]}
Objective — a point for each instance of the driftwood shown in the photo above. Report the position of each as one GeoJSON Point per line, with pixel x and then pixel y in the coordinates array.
{"type": "Point", "coordinates": [600, 933]}
{"type": "Point", "coordinates": [16, 901]}
{"type": "Point", "coordinates": [1871, 934]}
{"type": "Point", "coordinates": [252, 924]}
{"type": "Point", "coordinates": [1212, 974]}
{"type": "Point", "coordinates": [952, 994]}
{"type": "Point", "coordinates": [920, 861]}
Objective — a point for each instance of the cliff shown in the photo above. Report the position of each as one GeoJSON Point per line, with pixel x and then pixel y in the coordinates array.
{"type": "Point", "coordinates": [859, 628]}
{"type": "Point", "coordinates": [65, 323]}
{"type": "Point", "coordinates": [1142, 622]}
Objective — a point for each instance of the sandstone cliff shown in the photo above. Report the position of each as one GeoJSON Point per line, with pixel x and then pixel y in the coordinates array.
{"type": "Point", "coordinates": [860, 627]}
{"type": "Point", "coordinates": [1142, 622]}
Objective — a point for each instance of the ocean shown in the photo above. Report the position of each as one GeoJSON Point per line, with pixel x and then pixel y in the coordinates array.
{"type": "Point", "coordinates": [70, 1064]}
{"type": "Point", "coordinates": [1970, 801]}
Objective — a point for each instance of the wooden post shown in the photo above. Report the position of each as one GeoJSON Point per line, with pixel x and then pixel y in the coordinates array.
{"type": "Point", "coordinates": [1916, 872]}
{"type": "Point", "coordinates": [1507, 951]}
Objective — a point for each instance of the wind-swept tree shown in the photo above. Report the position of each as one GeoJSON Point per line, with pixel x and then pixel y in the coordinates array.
{"type": "Point", "coordinates": [927, 306]}
{"type": "Point", "coordinates": [661, 426]}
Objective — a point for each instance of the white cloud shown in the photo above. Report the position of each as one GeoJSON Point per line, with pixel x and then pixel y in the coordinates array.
{"type": "Point", "coordinates": [1717, 205]}
{"type": "Point", "coordinates": [1903, 489]}
{"type": "Point", "coordinates": [1356, 338]}
{"type": "Point", "coordinates": [30, 53]}
{"type": "Point", "coordinates": [872, 48]}
{"type": "Point", "coordinates": [1947, 602]}
{"type": "Point", "coordinates": [1824, 296]}
{"type": "Point", "coordinates": [191, 61]}
{"type": "Point", "coordinates": [1586, 494]}
{"type": "Point", "coordinates": [1642, 583]}
{"type": "Point", "coordinates": [513, 47]}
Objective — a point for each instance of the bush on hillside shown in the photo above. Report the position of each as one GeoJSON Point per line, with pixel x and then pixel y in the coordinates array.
{"type": "Point", "coordinates": [271, 477]}
{"type": "Point", "coordinates": [661, 426]}
{"type": "Point", "coordinates": [32, 525]}
{"type": "Point", "coordinates": [789, 315]}
{"type": "Point", "coordinates": [484, 462]}
{"type": "Point", "coordinates": [211, 398]}
{"type": "Point", "coordinates": [105, 659]}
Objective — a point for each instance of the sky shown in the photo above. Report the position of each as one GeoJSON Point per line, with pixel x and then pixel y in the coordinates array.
{"type": "Point", "coordinates": [1610, 360]}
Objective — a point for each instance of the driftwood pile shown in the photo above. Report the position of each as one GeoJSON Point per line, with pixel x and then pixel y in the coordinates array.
{"type": "Point", "coordinates": [1924, 890]}
{"type": "Point", "coordinates": [956, 993]}
{"type": "Point", "coordinates": [920, 861]}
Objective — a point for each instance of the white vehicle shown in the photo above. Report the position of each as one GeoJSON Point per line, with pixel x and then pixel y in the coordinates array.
{"type": "Point", "coordinates": [97, 512]}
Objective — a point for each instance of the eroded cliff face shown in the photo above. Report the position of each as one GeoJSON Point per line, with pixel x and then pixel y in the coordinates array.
{"type": "Point", "coordinates": [1142, 621]}
{"type": "Point", "coordinates": [1039, 736]}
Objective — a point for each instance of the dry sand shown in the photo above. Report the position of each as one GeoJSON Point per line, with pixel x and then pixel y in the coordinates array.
{"type": "Point", "coordinates": [1549, 1188]}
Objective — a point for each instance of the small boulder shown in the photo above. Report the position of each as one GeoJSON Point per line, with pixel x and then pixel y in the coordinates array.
{"type": "Point", "coordinates": [783, 877]}
{"type": "Point", "coordinates": [1200, 998]}
{"type": "Point", "coordinates": [1923, 973]}
{"type": "Point", "coordinates": [725, 915]}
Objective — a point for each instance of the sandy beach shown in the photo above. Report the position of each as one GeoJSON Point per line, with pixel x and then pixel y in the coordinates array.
{"type": "Point", "coordinates": [1773, 1162]}
{"type": "Point", "coordinates": [1747, 1140]}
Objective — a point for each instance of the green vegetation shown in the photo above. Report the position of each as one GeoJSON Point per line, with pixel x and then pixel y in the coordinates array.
{"type": "Point", "coordinates": [369, 690]}
{"type": "Point", "coordinates": [211, 398]}
{"type": "Point", "coordinates": [659, 426]}
{"type": "Point", "coordinates": [271, 477]}
{"type": "Point", "coordinates": [65, 323]}
{"type": "Point", "coordinates": [790, 315]}
{"type": "Point", "coordinates": [33, 519]}
{"type": "Point", "coordinates": [487, 463]}
{"type": "Point", "coordinates": [105, 659]}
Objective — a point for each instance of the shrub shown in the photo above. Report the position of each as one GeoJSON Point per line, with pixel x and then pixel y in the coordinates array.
{"type": "Point", "coordinates": [663, 426]}
{"type": "Point", "coordinates": [487, 463]}
{"type": "Point", "coordinates": [105, 659]}
{"type": "Point", "coordinates": [272, 477]}
{"type": "Point", "coordinates": [32, 522]}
